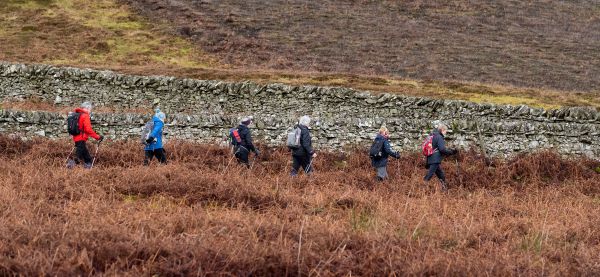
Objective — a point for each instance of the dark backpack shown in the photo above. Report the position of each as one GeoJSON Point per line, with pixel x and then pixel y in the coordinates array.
{"type": "Point", "coordinates": [73, 124]}
{"type": "Point", "coordinates": [376, 150]}
{"type": "Point", "coordinates": [234, 136]}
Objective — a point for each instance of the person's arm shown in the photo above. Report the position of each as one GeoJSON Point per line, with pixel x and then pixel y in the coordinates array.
{"type": "Point", "coordinates": [441, 146]}
{"type": "Point", "coordinates": [306, 142]}
{"type": "Point", "coordinates": [87, 126]}
{"type": "Point", "coordinates": [388, 149]}
{"type": "Point", "coordinates": [158, 126]}
{"type": "Point", "coordinates": [248, 139]}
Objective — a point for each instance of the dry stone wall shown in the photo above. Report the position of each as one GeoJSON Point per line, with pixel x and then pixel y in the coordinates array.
{"type": "Point", "coordinates": [204, 110]}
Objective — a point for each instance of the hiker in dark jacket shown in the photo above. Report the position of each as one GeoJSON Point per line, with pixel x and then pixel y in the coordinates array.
{"type": "Point", "coordinates": [434, 161]}
{"type": "Point", "coordinates": [303, 155]}
{"type": "Point", "coordinates": [243, 149]}
{"type": "Point", "coordinates": [380, 163]}
{"type": "Point", "coordinates": [154, 142]}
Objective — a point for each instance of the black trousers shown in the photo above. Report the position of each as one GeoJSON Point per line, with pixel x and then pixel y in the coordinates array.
{"type": "Point", "coordinates": [158, 153]}
{"type": "Point", "coordinates": [82, 152]}
{"type": "Point", "coordinates": [242, 155]}
{"type": "Point", "coordinates": [437, 170]}
{"type": "Point", "coordinates": [301, 161]}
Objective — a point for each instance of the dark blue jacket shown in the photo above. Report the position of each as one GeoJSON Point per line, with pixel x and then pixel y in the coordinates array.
{"type": "Point", "coordinates": [156, 133]}
{"type": "Point", "coordinates": [439, 146]}
{"type": "Point", "coordinates": [387, 151]}
{"type": "Point", "coordinates": [305, 148]}
{"type": "Point", "coordinates": [246, 138]}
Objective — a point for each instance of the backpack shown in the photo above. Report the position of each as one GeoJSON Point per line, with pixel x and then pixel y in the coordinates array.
{"type": "Point", "coordinates": [293, 138]}
{"type": "Point", "coordinates": [376, 150]}
{"type": "Point", "coordinates": [146, 131]}
{"type": "Point", "coordinates": [427, 146]}
{"type": "Point", "coordinates": [234, 136]}
{"type": "Point", "coordinates": [73, 124]}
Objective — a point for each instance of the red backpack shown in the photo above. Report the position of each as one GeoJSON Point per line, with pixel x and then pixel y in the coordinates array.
{"type": "Point", "coordinates": [428, 146]}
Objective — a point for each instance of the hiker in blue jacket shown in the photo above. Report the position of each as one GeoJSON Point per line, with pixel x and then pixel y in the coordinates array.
{"type": "Point", "coordinates": [154, 144]}
{"type": "Point", "coordinates": [434, 161]}
{"type": "Point", "coordinates": [380, 162]}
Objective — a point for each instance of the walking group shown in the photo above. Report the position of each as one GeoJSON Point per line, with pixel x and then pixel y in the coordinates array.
{"type": "Point", "coordinates": [299, 142]}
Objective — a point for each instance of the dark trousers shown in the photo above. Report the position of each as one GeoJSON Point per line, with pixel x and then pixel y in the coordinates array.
{"type": "Point", "coordinates": [301, 161]}
{"type": "Point", "coordinates": [82, 152]}
{"type": "Point", "coordinates": [158, 153]}
{"type": "Point", "coordinates": [437, 170]}
{"type": "Point", "coordinates": [241, 154]}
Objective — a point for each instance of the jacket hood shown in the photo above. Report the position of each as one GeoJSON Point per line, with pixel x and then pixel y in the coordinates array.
{"type": "Point", "coordinates": [80, 110]}
{"type": "Point", "coordinates": [437, 132]}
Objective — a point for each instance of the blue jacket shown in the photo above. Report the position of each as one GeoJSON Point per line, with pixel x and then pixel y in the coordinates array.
{"type": "Point", "coordinates": [156, 133]}
{"type": "Point", "coordinates": [439, 145]}
{"type": "Point", "coordinates": [305, 148]}
{"type": "Point", "coordinates": [387, 151]}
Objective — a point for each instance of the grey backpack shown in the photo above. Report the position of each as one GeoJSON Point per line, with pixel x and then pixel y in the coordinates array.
{"type": "Point", "coordinates": [146, 131]}
{"type": "Point", "coordinates": [293, 138]}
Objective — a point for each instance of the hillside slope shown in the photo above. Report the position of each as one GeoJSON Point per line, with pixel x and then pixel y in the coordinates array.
{"type": "Point", "coordinates": [552, 44]}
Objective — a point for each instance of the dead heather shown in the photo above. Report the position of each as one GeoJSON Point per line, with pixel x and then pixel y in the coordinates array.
{"type": "Point", "coordinates": [535, 214]}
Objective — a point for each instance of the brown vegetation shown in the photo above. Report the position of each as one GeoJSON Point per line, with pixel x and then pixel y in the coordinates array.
{"type": "Point", "coordinates": [551, 44]}
{"type": "Point", "coordinates": [532, 215]}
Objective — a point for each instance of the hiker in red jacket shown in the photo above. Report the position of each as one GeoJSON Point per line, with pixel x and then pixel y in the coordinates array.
{"type": "Point", "coordinates": [85, 131]}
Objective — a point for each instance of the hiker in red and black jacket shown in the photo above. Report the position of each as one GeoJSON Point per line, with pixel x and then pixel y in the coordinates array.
{"type": "Point", "coordinates": [435, 160]}
{"type": "Point", "coordinates": [86, 131]}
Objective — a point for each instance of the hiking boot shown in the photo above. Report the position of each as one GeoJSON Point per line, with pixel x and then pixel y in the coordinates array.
{"type": "Point", "coordinates": [444, 186]}
{"type": "Point", "coordinates": [71, 164]}
{"type": "Point", "coordinates": [87, 165]}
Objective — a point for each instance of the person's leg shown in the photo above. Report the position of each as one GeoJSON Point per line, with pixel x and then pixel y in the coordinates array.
{"type": "Point", "coordinates": [148, 155]}
{"type": "Point", "coordinates": [432, 169]}
{"type": "Point", "coordinates": [83, 154]}
{"type": "Point", "coordinates": [242, 156]}
{"type": "Point", "coordinates": [296, 163]}
{"type": "Point", "coordinates": [160, 155]}
{"type": "Point", "coordinates": [307, 165]}
{"type": "Point", "coordinates": [382, 173]}
{"type": "Point", "coordinates": [440, 174]}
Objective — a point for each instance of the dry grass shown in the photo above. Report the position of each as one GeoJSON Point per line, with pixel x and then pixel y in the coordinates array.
{"type": "Point", "coordinates": [534, 215]}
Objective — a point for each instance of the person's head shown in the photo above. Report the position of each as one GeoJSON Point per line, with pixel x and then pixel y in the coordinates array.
{"type": "Point", "coordinates": [384, 131]}
{"type": "Point", "coordinates": [86, 106]}
{"type": "Point", "coordinates": [161, 116]}
{"type": "Point", "coordinates": [247, 120]}
{"type": "Point", "coordinates": [304, 120]}
{"type": "Point", "coordinates": [442, 128]}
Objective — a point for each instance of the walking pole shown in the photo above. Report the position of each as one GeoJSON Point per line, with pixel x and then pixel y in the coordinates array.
{"type": "Point", "coordinates": [230, 160]}
{"type": "Point", "coordinates": [309, 165]}
{"type": "Point", "coordinates": [95, 155]}
{"type": "Point", "coordinates": [69, 156]}
{"type": "Point", "coordinates": [458, 172]}
{"type": "Point", "coordinates": [253, 161]}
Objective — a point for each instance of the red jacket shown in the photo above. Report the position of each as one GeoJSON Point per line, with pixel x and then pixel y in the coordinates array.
{"type": "Point", "coordinates": [85, 125]}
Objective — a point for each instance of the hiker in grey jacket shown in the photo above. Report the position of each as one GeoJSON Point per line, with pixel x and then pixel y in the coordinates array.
{"type": "Point", "coordinates": [435, 160]}
{"type": "Point", "coordinates": [303, 155]}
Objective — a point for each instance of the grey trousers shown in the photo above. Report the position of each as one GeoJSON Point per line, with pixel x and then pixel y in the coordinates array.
{"type": "Point", "coordinates": [381, 173]}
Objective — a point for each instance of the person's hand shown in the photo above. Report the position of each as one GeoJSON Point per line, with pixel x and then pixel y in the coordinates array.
{"type": "Point", "coordinates": [101, 138]}
{"type": "Point", "coordinates": [314, 155]}
{"type": "Point", "coordinates": [150, 140]}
